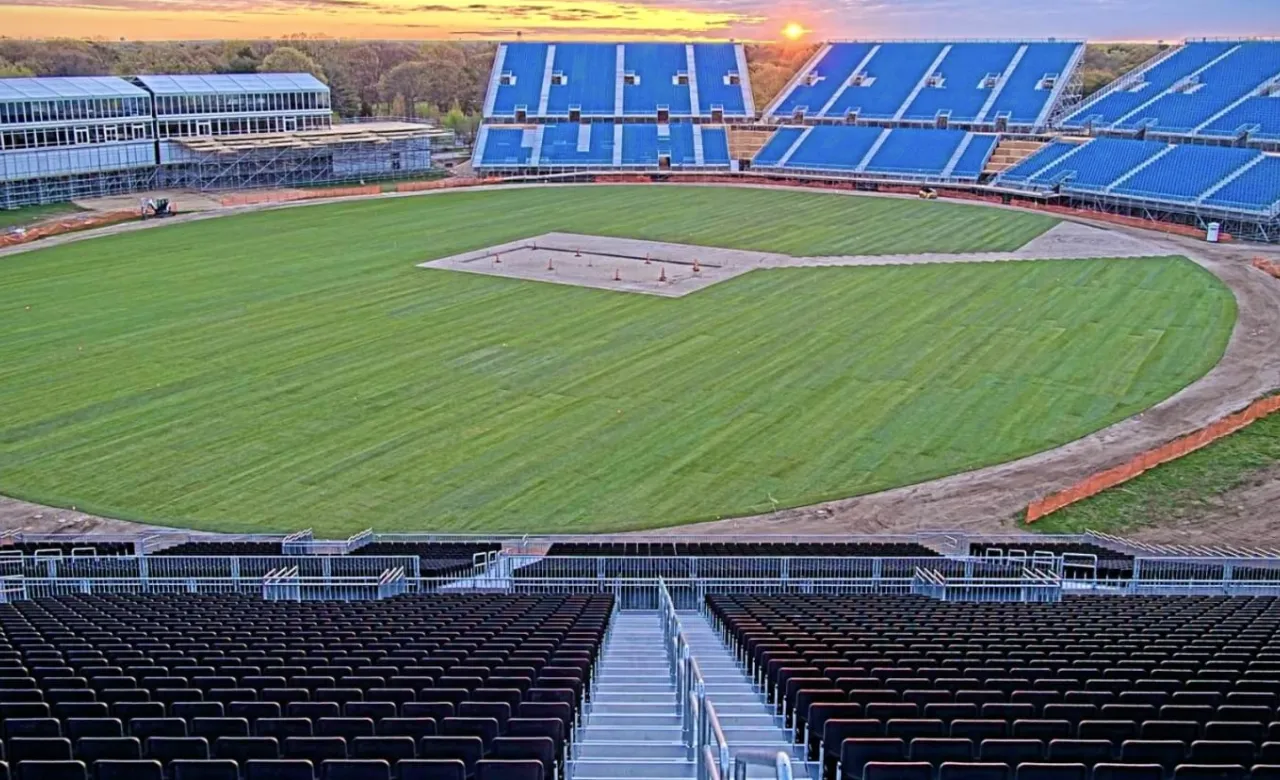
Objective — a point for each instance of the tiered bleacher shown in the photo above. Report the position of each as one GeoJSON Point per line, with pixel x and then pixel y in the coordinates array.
{"type": "Point", "coordinates": [613, 80]}
{"type": "Point", "coordinates": [559, 106]}
{"type": "Point", "coordinates": [1212, 89]}
{"type": "Point", "coordinates": [235, 688]}
{"type": "Point", "coordinates": [992, 85]}
{"type": "Point", "coordinates": [885, 688]}
{"type": "Point", "coordinates": [1227, 179]}
{"type": "Point", "coordinates": [901, 153]}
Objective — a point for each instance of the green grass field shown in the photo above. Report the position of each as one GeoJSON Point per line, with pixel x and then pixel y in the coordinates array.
{"type": "Point", "coordinates": [1180, 489]}
{"type": "Point", "coordinates": [291, 369]}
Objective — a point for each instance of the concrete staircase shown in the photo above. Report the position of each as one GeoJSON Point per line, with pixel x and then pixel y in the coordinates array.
{"type": "Point", "coordinates": [633, 727]}
{"type": "Point", "coordinates": [749, 724]}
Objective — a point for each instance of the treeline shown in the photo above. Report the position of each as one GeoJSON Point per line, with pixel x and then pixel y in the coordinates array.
{"type": "Point", "coordinates": [367, 78]}
{"type": "Point", "coordinates": [444, 80]}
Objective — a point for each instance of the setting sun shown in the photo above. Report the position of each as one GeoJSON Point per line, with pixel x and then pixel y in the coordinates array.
{"type": "Point", "coordinates": [793, 31]}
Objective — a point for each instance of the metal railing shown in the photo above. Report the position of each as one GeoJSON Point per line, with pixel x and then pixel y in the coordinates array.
{"type": "Point", "coordinates": [699, 724]}
{"type": "Point", "coordinates": [1034, 585]}
{"type": "Point", "coordinates": [287, 585]}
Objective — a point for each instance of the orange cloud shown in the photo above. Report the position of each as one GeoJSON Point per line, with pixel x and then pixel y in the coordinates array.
{"type": "Point", "coordinates": [385, 19]}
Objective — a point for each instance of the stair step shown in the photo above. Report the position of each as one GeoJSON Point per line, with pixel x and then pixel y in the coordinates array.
{"type": "Point", "coordinates": [632, 767]}
{"type": "Point", "coordinates": [631, 733]}
{"type": "Point", "coordinates": [639, 720]}
{"type": "Point", "coordinates": [653, 750]}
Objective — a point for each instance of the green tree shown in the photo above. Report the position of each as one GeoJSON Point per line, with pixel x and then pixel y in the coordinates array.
{"type": "Point", "coordinates": [287, 59]}
{"type": "Point", "coordinates": [13, 69]}
{"type": "Point", "coordinates": [409, 81]}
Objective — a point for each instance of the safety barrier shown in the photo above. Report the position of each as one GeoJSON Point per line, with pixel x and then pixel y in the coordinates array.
{"type": "Point", "coordinates": [1152, 458]}
{"type": "Point", "coordinates": [1266, 266]}
{"type": "Point", "coordinates": [746, 568]}
{"type": "Point", "coordinates": [69, 225]}
{"type": "Point", "coordinates": [287, 585]}
{"type": "Point", "coordinates": [289, 196]}
{"type": "Point", "coordinates": [700, 726]}
{"type": "Point", "coordinates": [1032, 585]}
{"type": "Point", "coordinates": [446, 184]}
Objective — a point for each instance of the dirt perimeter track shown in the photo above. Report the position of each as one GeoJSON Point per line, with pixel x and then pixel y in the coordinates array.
{"type": "Point", "coordinates": [985, 500]}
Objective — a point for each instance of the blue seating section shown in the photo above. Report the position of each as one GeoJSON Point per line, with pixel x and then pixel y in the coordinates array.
{"type": "Point", "coordinates": [506, 146]}
{"type": "Point", "coordinates": [1260, 114]}
{"type": "Point", "coordinates": [1204, 88]}
{"type": "Point", "coordinates": [650, 75]}
{"type": "Point", "coordinates": [655, 67]}
{"type": "Point", "coordinates": [1025, 97]}
{"type": "Point", "coordinates": [834, 148]}
{"type": "Point", "coordinates": [974, 159]}
{"type": "Point", "coordinates": [777, 145]}
{"type": "Point", "coordinates": [592, 145]}
{"type": "Point", "coordinates": [524, 65]}
{"type": "Point", "coordinates": [961, 91]}
{"type": "Point", "coordinates": [911, 153]}
{"type": "Point", "coordinates": [560, 144]}
{"type": "Point", "coordinates": [919, 152]}
{"type": "Point", "coordinates": [1231, 178]}
{"type": "Point", "coordinates": [895, 82]}
{"type": "Point", "coordinates": [640, 145]}
{"type": "Point", "coordinates": [1186, 172]}
{"type": "Point", "coordinates": [715, 146]}
{"type": "Point", "coordinates": [894, 72]}
{"type": "Point", "coordinates": [590, 72]}
{"type": "Point", "coordinates": [714, 62]}
{"type": "Point", "coordinates": [1045, 156]}
{"type": "Point", "coordinates": [1256, 188]}
{"type": "Point", "coordinates": [1100, 163]}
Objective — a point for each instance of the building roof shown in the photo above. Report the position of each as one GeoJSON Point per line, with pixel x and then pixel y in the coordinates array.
{"type": "Point", "coordinates": [362, 132]}
{"type": "Point", "coordinates": [67, 87]}
{"type": "Point", "coordinates": [232, 83]}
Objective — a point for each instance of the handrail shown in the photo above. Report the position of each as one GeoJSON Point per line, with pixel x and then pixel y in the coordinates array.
{"type": "Point", "coordinates": [699, 724]}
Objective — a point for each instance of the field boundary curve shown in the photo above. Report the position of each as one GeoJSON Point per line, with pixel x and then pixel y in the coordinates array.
{"type": "Point", "coordinates": [984, 499]}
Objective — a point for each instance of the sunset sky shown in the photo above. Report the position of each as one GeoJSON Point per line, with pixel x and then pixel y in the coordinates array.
{"type": "Point", "coordinates": [742, 19]}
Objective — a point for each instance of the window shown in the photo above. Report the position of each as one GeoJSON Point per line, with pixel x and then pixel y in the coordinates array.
{"type": "Point", "coordinates": [110, 133]}
{"type": "Point", "coordinates": [82, 135]}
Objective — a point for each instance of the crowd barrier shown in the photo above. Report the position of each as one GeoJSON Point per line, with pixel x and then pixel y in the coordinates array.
{"type": "Point", "coordinates": [1173, 450]}
{"type": "Point", "coordinates": [1266, 266]}
{"type": "Point", "coordinates": [69, 225]}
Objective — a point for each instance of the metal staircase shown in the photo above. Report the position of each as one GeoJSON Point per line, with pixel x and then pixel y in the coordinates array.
{"type": "Point", "coordinates": [749, 724]}
{"type": "Point", "coordinates": [634, 727]}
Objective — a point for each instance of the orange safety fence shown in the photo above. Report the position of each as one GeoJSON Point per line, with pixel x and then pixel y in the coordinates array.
{"type": "Point", "coordinates": [1173, 450]}
{"type": "Point", "coordinates": [1266, 266]}
{"type": "Point", "coordinates": [445, 184]}
{"type": "Point", "coordinates": [288, 196]}
{"type": "Point", "coordinates": [70, 225]}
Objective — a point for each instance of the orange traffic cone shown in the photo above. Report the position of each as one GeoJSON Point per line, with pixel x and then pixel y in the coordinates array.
{"type": "Point", "coordinates": [662, 275]}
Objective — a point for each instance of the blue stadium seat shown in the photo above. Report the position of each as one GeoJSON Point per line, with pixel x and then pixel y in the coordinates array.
{"type": "Point", "coordinates": [834, 147]}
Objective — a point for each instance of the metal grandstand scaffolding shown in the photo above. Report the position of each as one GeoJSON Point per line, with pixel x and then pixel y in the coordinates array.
{"type": "Point", "coordinates": [366, 151]}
